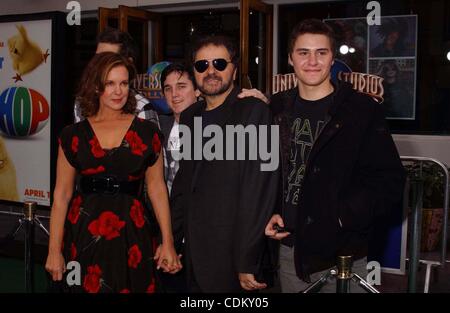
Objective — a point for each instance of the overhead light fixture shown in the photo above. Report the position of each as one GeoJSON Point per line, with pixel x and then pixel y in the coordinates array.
{"type": "Point", "coordinates": [351, 50]}
{"type": "Point", "coordinates": [448, 55]}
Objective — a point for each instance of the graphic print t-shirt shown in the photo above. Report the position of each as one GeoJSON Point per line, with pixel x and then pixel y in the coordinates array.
{"type": "Point", "coordinates": [306, 125]}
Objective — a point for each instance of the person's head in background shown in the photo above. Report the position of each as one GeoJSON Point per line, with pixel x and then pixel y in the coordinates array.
{"type": "Point", "coordinates": [179, 88]}
{"type": "Point", "coordinates": [113, 40]}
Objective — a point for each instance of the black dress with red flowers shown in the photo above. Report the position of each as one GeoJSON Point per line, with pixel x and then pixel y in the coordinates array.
{"type": "Point", "coordinates": [109, 234]}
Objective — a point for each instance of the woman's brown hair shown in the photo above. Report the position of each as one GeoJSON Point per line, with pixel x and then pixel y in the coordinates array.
{"type": "Point", "coordinates": [93, 80]}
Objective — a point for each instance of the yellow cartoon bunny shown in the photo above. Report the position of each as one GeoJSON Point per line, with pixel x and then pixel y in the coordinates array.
{"type": "Point", "coordinates": [26, 55]}
{"type": "Point", "coordinates": [8, 185]}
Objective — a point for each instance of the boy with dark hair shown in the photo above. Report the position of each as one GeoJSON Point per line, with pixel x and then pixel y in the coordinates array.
{"type": "Point", "coordinates": [180, 91]}
{"type": "Point", "coordinates": [125, 42]}
{"type": "Point", "coordinates": [340, 168]}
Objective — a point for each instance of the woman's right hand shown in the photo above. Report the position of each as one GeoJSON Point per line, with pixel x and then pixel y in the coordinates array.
{"type": "Point", "coordinates": [55, 265]}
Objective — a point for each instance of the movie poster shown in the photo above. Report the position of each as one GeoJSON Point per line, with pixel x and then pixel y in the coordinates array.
{"type": "Point", "coordinates": [398, 85]}
{"type": "Point", "coordinates": [392, 55]}
{"type": "Point", "coordinates": [388, 51]}
{"type": "Point", "coordinates": [351, 33]}
{"type": "Point", "coordinates": [25, 93]}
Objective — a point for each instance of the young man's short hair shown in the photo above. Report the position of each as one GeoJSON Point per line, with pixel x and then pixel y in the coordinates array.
{"type": "Point", "coordinates": [128, 48]}
{"type": "Point", "coordinates": [177, 68]}
{"type": "Point", "coordinates": [312, 26]}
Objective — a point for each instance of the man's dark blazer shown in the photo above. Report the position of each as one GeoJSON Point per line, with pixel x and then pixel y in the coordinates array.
{"type": "Point", "coordinates": [225, 204]}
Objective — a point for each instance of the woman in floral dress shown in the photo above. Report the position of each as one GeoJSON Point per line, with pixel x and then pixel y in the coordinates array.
{"type": "Point", "coordinates": [98, 218]}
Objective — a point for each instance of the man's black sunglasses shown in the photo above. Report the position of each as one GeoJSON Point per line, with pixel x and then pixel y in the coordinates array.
{"type": "Point", "coordinates": [219, 64]}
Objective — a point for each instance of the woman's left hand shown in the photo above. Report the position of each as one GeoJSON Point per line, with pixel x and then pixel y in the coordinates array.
{"type": "Point", "coordinates": [167, 259]}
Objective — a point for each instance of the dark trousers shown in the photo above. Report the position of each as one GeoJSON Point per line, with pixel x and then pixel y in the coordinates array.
{"type": "Point", "coordinates": [171, 283]}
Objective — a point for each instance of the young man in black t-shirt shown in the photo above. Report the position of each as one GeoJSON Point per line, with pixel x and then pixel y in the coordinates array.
{"type": "Point", "coordinates": [340, 168]}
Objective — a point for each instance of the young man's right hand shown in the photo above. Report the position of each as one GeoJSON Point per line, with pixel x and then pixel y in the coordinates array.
{"type": "Point", "coordinates": [271, 230]}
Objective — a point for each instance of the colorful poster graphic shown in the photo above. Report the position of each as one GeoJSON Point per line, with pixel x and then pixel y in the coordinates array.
{"type": "Point", "coordinates": [25, 93]}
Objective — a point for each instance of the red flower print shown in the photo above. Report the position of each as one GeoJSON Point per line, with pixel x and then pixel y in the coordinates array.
{"type": "Point", "coordinates": [92, 171]}
{"type": "Point", "coordinates": [96, 150]}
{"type": "Point", "coordinates": [91, 281]}
{"type": "Point", "coordinates": [124, 291]}
{"type": "Point", "coordinates": [108, 225]}
{"type": "Point", "coordinates": [151, 287]}
{"type": "Point", "coordinates": [137, 213]}
{"type": "Point", "coordinates": [136, 145]}
{"type": "Point", "coordinates": [74, 212]}
{"type": "Point", "coordinates": [156, 143]}
{"type": "Point", "coordinates": [75, 144]}
{"type": "Point", "coordinates": [73, 251]}
{"type": "Point", "coordinates": [134, 256]}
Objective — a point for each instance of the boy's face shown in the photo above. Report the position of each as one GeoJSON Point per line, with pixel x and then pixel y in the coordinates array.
{"type": "Point", "coordinates": [312, 59]}
{"type": "Point", "coordinates": [179, 92]}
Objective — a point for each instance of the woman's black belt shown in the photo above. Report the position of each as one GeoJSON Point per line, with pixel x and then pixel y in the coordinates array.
{"type": "Point", "coordinates": [109, 185]}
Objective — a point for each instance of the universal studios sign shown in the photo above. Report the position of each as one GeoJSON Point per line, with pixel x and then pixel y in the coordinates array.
{"type": "Point", "coordinates": [369, 84]}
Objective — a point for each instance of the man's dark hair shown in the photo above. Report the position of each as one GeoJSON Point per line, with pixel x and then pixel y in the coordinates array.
{"type": "Point", "coordinates": [216, 40]}
{"type": "Point", "coordinates": [128, 47]}
{"type": "Point", "coordinates": [312, 26]}
{"type": "Point", "coordinates": [177, 68]}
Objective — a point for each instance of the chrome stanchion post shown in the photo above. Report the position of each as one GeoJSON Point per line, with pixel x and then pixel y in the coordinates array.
{"type": "Point", "coordinates": [344, 274]}
{"type": "Point", "coordinates": [317, 285]}
{"type": "Point", "coordinates": [29, 210]}
{"type": "Point", "coordinates": [414, 241]}
{"type": "Point", "coordinates": [417, 189]}
{"type": "Point", "coordinates": [27, 221]}
{"type": "Point", "coordinates": [363, 284]}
